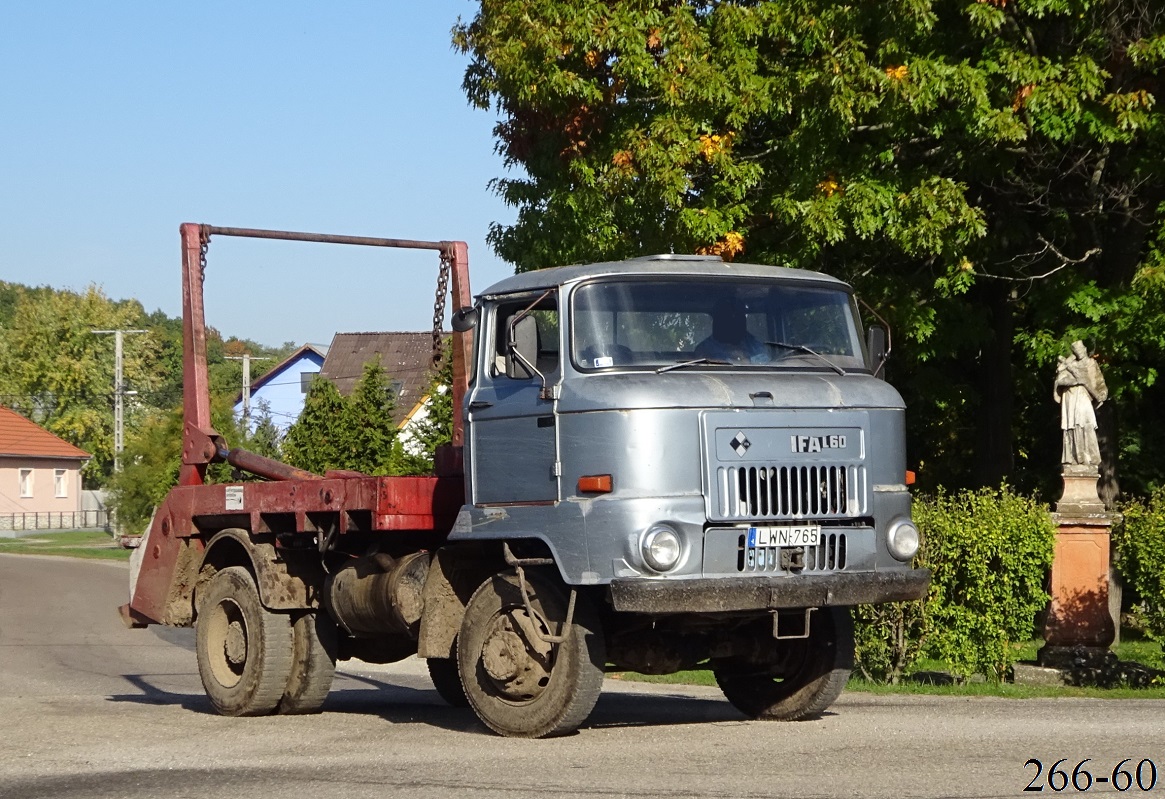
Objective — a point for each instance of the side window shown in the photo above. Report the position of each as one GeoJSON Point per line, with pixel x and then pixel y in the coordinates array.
{"type": "Point", "coordinates": [543, 310]}
{"type": "Point", "coordinates": [26, 483]}
{"type": "Point", "coordinates": [61, 482]}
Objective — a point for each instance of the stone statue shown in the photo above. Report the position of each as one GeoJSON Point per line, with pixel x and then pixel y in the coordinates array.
{"type": "Point", "coordinates": [1078, 385]}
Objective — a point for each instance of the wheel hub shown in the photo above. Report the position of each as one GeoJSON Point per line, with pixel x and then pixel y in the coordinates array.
{"type": "Point", "coordinates": [515, 667]}
{"type": "Point", "coordinates": [235, 644]}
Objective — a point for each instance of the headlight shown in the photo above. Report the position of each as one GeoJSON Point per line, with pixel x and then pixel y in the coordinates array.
{"type": "Point", "coordinates": [661, 547]}
{"type": "Point", "coordinates": [903, 539]}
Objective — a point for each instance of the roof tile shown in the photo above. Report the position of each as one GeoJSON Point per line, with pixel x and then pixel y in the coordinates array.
{"type": "Point", "coordinates": [20, 436]}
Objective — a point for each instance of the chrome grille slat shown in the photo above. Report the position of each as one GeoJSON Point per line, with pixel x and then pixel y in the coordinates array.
{"type": "Point", "coordinates": [773, 491]}
{"type": "Point", "coordinates": [828, 555]}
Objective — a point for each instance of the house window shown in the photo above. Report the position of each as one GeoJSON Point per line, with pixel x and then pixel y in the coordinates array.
{"type": "Point", "coordinates": [26, 483]}
{"type": "Point", "coordinates": [305, 379]}
{"type": "Point", "coordinates": [61, 481]}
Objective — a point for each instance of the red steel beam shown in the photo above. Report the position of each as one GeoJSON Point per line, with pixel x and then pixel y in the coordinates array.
{"type": "Point", "coordinates": [458, 255]}
{"type": "Point", "coordinates": [197, 432]}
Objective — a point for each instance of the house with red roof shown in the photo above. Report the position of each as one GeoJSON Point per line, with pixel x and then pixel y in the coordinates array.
{"type": "Point", "coordinates": [39, 472]}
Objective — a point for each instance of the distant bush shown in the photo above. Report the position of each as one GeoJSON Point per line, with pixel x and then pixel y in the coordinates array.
{"type": "Point", "coordinates": [989, 552]}
{"type": "Point", "coordinates": [1140, 545]}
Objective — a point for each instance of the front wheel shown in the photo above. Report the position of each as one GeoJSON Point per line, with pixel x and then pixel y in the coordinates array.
{"type": "Point", "coordinates": [520, 685]}
{"type": "Point", "coordinates": [806, 679]}
{"type": "Point", "coordinates": [244, 650]}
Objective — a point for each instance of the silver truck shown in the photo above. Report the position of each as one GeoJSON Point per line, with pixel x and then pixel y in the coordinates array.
{"type": "Point", "coordinates": [659, 464]}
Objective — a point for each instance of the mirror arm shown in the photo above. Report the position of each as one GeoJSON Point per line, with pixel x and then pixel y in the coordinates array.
{"type": "Point", "coordinates": [513, 351]}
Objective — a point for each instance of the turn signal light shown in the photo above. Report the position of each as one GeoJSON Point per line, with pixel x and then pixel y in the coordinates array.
{"type": "Point", "coordinates": [910, 477]}
{"type": "Point", "coordinates": [594, 484]}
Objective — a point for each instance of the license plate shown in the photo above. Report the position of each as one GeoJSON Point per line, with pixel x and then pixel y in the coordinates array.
{"type": "Point", "coordinates": [791, 535]}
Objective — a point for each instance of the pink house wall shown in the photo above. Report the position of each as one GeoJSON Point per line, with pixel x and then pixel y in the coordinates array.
{"type": "Point", "coordinates": [44, 492]}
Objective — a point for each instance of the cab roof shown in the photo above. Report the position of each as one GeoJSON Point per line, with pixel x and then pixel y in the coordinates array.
{"type": "Point", "coordinates": [651, 265]}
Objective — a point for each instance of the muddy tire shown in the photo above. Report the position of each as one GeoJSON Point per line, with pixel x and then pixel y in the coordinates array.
{"type": "Point", "coordinates": [808, 679]}
{"type": "Point", "coordinates": [447, 681]}
{"type": "Point", "coordinates": [313, 664]}
{"type": "Point", "coordinates": [519, 685]}
{"type": "Point", "coordinates": [244, 650]}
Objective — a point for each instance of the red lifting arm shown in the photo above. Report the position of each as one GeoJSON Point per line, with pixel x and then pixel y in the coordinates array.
{"type": "Point", "coordinates": [201, 444]}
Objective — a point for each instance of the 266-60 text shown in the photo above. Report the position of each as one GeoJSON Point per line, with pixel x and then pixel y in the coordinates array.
{"type": "Point", "coordinates": [1127, 774]}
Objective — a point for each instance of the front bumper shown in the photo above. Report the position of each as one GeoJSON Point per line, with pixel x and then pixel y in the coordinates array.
{"type": "Point", "coordinates": [726, 594]}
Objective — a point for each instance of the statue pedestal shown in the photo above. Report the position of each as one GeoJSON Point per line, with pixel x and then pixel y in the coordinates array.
{"type": "Point", "coordinates": [1079, 628]}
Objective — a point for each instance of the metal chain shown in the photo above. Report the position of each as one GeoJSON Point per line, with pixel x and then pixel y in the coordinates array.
{"type": "Point", "coordinates": [439, 307]}
{"type": "Point", "coordinates": [203, 244]}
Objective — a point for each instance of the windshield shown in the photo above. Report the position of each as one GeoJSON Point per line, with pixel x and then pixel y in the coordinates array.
{"type": "Point", "coordinates": [706, 322]}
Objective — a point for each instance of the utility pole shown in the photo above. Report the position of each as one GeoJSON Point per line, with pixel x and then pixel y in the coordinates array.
{"type": "Point", "coordinates": [119, 392]}
{"type": "Point", "coordinates": [246, 359]}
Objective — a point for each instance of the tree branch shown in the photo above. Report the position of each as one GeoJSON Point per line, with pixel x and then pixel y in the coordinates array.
{"type": "Point", "coordinates": [1033, 257]}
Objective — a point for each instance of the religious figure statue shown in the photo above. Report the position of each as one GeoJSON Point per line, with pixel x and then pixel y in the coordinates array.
{"type": "Point", "coordinates": [1078, 385]}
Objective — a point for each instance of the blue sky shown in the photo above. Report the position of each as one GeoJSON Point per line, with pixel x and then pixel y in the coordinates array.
{"type": "Point", "coordinates": [120, 120]}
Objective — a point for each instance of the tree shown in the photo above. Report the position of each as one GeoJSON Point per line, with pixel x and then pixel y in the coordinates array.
{"type": "Point", "coordinates": [356, 433]}
{"type": "Point", "coordinates": [153, 457]}
{"type": "Point", "coordinates": [316, 440]}
{"type": "Point", "coordinates": [372, 429]}
{"type": "Point", "coordinates": [54, 370]}
{"type": "Point", "coordinates": [265, 438]}
{"type": "Point", "coordinates": [987, 173]}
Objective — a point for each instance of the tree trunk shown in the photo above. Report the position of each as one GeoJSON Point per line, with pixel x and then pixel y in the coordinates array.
{"type": "Point", "coordinates": [993, 457]}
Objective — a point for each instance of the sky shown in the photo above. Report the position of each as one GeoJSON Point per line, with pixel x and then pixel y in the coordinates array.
{"type": "Point", "coordinates": [121, 120]}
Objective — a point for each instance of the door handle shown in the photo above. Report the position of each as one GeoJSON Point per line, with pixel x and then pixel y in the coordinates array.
{"type": "Point", "coordinates": [479, 404]}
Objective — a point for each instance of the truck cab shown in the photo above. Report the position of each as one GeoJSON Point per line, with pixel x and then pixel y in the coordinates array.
{"type": "Point", "coordinates": [704, 451]}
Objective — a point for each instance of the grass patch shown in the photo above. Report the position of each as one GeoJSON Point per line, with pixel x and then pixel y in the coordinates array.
{"type": "Point", "coordinates": [93, 544]}
{"type": "Point", "coordinates": [693, 677]}
{"type": "Point", "coordinates": [1137, 649]}
{"type": "Point", "coordinates": [1007, 690]}
{"type": "Point", "coordinates": [1004, 690]}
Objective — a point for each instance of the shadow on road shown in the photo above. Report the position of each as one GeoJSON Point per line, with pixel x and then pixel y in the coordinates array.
{"type": "Point", "coordinates": [151, 694]}
{"type": "Point", "coordinates": [400, 704]}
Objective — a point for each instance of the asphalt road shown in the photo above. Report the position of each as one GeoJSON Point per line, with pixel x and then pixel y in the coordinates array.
{"type": "Point", "coordinates": [90, 709]}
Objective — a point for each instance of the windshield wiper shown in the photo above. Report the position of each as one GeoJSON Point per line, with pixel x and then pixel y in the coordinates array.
{"type": "Point", "coordinates": [694, 362]}
{"type": "Point", "coordinates": [814, 353]}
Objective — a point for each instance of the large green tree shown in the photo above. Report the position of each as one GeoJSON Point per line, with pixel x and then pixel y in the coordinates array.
{"type": "Point", "coordinates": [56, 371]}
{"type": "Point", "coordinates": [987, 172]}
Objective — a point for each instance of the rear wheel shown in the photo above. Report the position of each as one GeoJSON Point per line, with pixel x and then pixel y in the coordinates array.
{"type": "Point", "coordinates": [807, 678]}
{"type": "Point", "coordinates": [518, 684]}
{"type": "Point", "coordinates": [313, 664]}
{"type": "Point", "coordinates": [244, 650]}
{"type": "Point", "coordinates": [443, 673]}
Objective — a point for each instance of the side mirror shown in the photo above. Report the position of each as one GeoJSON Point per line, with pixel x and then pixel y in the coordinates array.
{"type": "Point", "coordinates": [465, 319]}
{"type": "Point", "coordinates": [522, 348]}
{"type": "Point", "coordinates": [876, 347]}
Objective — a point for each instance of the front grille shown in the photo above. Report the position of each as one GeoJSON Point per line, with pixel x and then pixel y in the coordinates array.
{"type": "Point", "coordinates": [790, 492]}
{"type": "Point", "coordinates": [829, 555]}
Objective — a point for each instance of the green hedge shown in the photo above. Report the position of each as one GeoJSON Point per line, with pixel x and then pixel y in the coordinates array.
{"type": "Point", "coordinates": [989, 552]}
{"type": "Point", "coordinates": [1140, 546]}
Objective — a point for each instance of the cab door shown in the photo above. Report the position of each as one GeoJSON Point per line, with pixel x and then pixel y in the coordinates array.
{"type": "Point", "coordinates": [513, 431]}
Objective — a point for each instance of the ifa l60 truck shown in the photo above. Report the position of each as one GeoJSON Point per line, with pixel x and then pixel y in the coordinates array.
{"type": "Point", "coordinates": [665, 463]}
